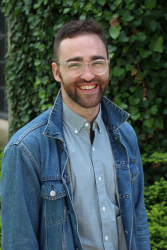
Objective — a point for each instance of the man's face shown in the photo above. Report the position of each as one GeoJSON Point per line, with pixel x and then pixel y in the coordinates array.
{"type": "Point", "coordinates": [87, 89]}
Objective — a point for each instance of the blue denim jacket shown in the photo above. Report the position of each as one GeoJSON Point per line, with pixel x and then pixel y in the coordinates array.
{"type": "Point", "coordinates": [34, 164]}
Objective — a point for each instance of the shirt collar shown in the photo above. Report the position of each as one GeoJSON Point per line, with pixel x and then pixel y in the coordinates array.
{"type": "Point", "coordinates": [76, 122]}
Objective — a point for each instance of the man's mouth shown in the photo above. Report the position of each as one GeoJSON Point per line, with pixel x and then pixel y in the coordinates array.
{"type": "Point", "coordinates": [88, 86]}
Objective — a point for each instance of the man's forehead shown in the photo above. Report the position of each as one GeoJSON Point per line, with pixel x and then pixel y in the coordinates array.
{"type": "Point", "coordinates": [80, 45]}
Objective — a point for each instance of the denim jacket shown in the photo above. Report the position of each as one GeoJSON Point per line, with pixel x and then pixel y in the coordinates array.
{"type": "Point", "coordinates": [37, 209]}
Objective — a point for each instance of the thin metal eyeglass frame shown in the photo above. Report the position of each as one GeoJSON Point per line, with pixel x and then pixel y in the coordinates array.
{"type": "Point", "coordinates": [84, 64]}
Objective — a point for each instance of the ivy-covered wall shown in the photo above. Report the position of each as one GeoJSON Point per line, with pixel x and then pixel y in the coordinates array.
{"type": "Point", "coordinates": [137, 43]}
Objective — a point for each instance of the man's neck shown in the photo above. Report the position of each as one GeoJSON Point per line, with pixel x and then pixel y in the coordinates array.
{"type": "Point", "coordinates": [89, 114]}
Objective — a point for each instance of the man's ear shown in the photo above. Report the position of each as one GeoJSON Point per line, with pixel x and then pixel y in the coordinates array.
{"type": "Point", "coordinates": [55, 71]}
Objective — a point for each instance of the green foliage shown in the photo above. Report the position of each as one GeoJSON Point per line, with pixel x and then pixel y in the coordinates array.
{"type": "Point", "coordinates": [156, 206]}
{"type": "Point", "coordinates": [137, 49]}
{"type": "Point", "coordinates": [155, 166]}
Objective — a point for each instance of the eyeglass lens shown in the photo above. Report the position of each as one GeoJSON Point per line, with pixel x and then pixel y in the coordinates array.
{"type": "Point", "coordinates": [97, 67]}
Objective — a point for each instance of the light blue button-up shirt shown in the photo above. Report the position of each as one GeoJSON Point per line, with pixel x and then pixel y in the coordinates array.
{"type": "Point", "coordinates": [93, 181]}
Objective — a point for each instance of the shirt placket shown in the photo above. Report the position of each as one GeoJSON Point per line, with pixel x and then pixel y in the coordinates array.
{"type": "Point", "coordinates": [100, 184]}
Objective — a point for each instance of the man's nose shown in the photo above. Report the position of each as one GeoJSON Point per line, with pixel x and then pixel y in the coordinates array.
{"type": "Point", "coordinates": [87, 74]}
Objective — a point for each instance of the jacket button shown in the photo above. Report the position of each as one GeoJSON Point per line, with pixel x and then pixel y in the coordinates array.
{"type": "Point", "coordinates": [52, 193]}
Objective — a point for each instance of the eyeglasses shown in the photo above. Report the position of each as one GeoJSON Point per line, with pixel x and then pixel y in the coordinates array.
{"type": "Point", "coordinates": [98, 67]}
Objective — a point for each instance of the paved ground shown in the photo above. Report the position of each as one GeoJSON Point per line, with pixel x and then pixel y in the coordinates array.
{"type": "Point", "coordinates": [3, 132]}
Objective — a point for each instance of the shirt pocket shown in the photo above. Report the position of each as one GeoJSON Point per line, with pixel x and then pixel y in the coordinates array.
{"type": "Point", "coordinates": [54, 202]}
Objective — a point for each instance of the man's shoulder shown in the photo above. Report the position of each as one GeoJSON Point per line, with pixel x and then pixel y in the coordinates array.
{"type": "Point", "coordinates": [34, 127]}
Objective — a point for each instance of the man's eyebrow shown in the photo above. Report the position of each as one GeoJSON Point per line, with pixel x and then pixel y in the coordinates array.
{"type": "Point", "coordinates": [96, 57]}
{"type": "Point", "coordinates": [78, 58]}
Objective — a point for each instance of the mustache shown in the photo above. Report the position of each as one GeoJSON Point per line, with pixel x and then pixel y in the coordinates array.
{"type": "Point", "coordinates": [94, 81]}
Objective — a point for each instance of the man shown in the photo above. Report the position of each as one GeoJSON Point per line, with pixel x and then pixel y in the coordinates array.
{"type": "Point", "coordinates": [72, 178]}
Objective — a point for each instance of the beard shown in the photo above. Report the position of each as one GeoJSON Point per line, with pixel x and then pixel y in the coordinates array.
{"type": "Point", "coordinates": [85, 100]}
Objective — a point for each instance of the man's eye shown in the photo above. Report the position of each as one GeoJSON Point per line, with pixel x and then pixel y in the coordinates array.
{"type": "Point", "coordinates": [74, 65]}
{"type": "Point", "coordinates": [98, 63]}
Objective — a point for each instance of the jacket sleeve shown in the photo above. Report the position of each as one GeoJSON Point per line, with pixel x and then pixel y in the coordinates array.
{"type": "Point", "coordinates": [20, 200]}
{"type": "Point", "coordinates": [139, 205]}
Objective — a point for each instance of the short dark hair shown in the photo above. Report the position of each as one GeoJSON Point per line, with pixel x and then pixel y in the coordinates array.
{"type": "Point", "coordinates": [75, 28]}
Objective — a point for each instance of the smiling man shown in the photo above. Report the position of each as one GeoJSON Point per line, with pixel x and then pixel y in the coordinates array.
{"type": "Point", "coordinates": [72, 178]}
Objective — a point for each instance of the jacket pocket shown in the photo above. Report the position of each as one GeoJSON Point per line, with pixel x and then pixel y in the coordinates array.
{"type": "Point", "coordinates": [134, 171]}
{"type": "Point", "coordinates": [54, 202]}
{"type": "Point", "coordinates": [121, 235]}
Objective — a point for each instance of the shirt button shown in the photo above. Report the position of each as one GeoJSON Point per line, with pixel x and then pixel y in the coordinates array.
{"type": "Point", "coordinates": [100, 131]}
{"type": "Point", "coordinates": [106, 238]}
{"type": "Point", "coordinates": [103, 209]}
{"type": "Point", "coordinates": [86, 124]}
{"type": "Point", "coordinates": [93, 149]}
{"type": "Point", "coordinates": [99, 178]}
{"type": "Point", "coordinates": [52, 193]}
{"type": "Point", "coordinates": [76, 131]}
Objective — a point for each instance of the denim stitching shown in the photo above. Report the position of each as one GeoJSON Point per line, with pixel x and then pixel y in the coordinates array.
{"type": "Point", "coordinates": [27, 153]}
{"type": "Point", "coordinates": [56, 222]}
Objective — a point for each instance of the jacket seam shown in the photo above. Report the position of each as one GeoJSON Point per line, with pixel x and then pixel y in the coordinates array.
{"type": "Point", "coordinates": [25, 133]}
{"type": "Point", "coordinates": [29, 156]}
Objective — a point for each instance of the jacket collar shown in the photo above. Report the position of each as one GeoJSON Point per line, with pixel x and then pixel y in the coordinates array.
{"type": "Point", "coordinates": [112, 115]}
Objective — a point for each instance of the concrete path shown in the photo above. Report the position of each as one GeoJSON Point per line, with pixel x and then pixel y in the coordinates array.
{"type": "Point", "coordinates": [3, 132]}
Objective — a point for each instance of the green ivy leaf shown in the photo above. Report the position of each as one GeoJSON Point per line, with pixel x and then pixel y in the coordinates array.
{"type": "Point", "coordinates": [144, 53]}
{"type": "Point", "coordinates": [149, 122]}
{"type": "Point", "coordinates": [158, 122]}
{"type": "Point", "coordinates": [133, 100]}
{"type": "Point", "coordinates": [36, 6]}
{"type": "Point", "coordinates": [129, 67]}
{"type": "Point", "coordinates": [112, 6]}
{"type": "Point", "coordinates": [114, 31]}
{"type": "Point", "coordinates": [153, 110]}
{"type": "Point", "coordinates": [120, 104]}
{"type": "Point", "coordinates": [66, 10]}
{"type": "Point", "coordinates": [117, 2]}
{"type": "Point", "coordinates": [111, 55]}
{"type": "Point", "coordinates": [150, 4]}
{"type": "Point", "coordinates": [132, 89]}
{"type": "Point", "coordinates": [37, 62]}
{"type": "Point", "coordinates": [31, 17]}
{"type": "Point", "coordinates": [126, 48]}
{"type": "Point", "coordinates": [127, 16]}
{"type": "Point", "coordinates": [151, 94]}
{"type": "Point", "coordinates": [16, 13]}
{"type": "Point", "coordinates": [133, 110]}
{"type": "Point", "coordinates": [130, 6]}
{"type": "Point", "coordinates": [111, 48]}
{"type": "Point", "coordinates": [165, 111]}
{"type": "Point", "coordinates": [82, 17]}
{"type": "Point", "coordinates": [153, 25]}
{"type": "Point", "coordinates": [118, 71]}
{"type": "Point", "coordinates": [141, 37]}
{"type": "Point", "coordinates": [148, 130]}
{"type": "Point", "coordinates": [135, 117]}
{"type": "Point", "coordinates": [101, 2]}
{"type": "Point", "coordinates": [75, 5]}
{"type": "Point", "coordinates": [122, 37]}
{"type": "Point", "coordinates": [42, 94]}
{"type": "Point", "coordinates": [128, 1]}
{"type": "Point", "coordinates": [157, 45]}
